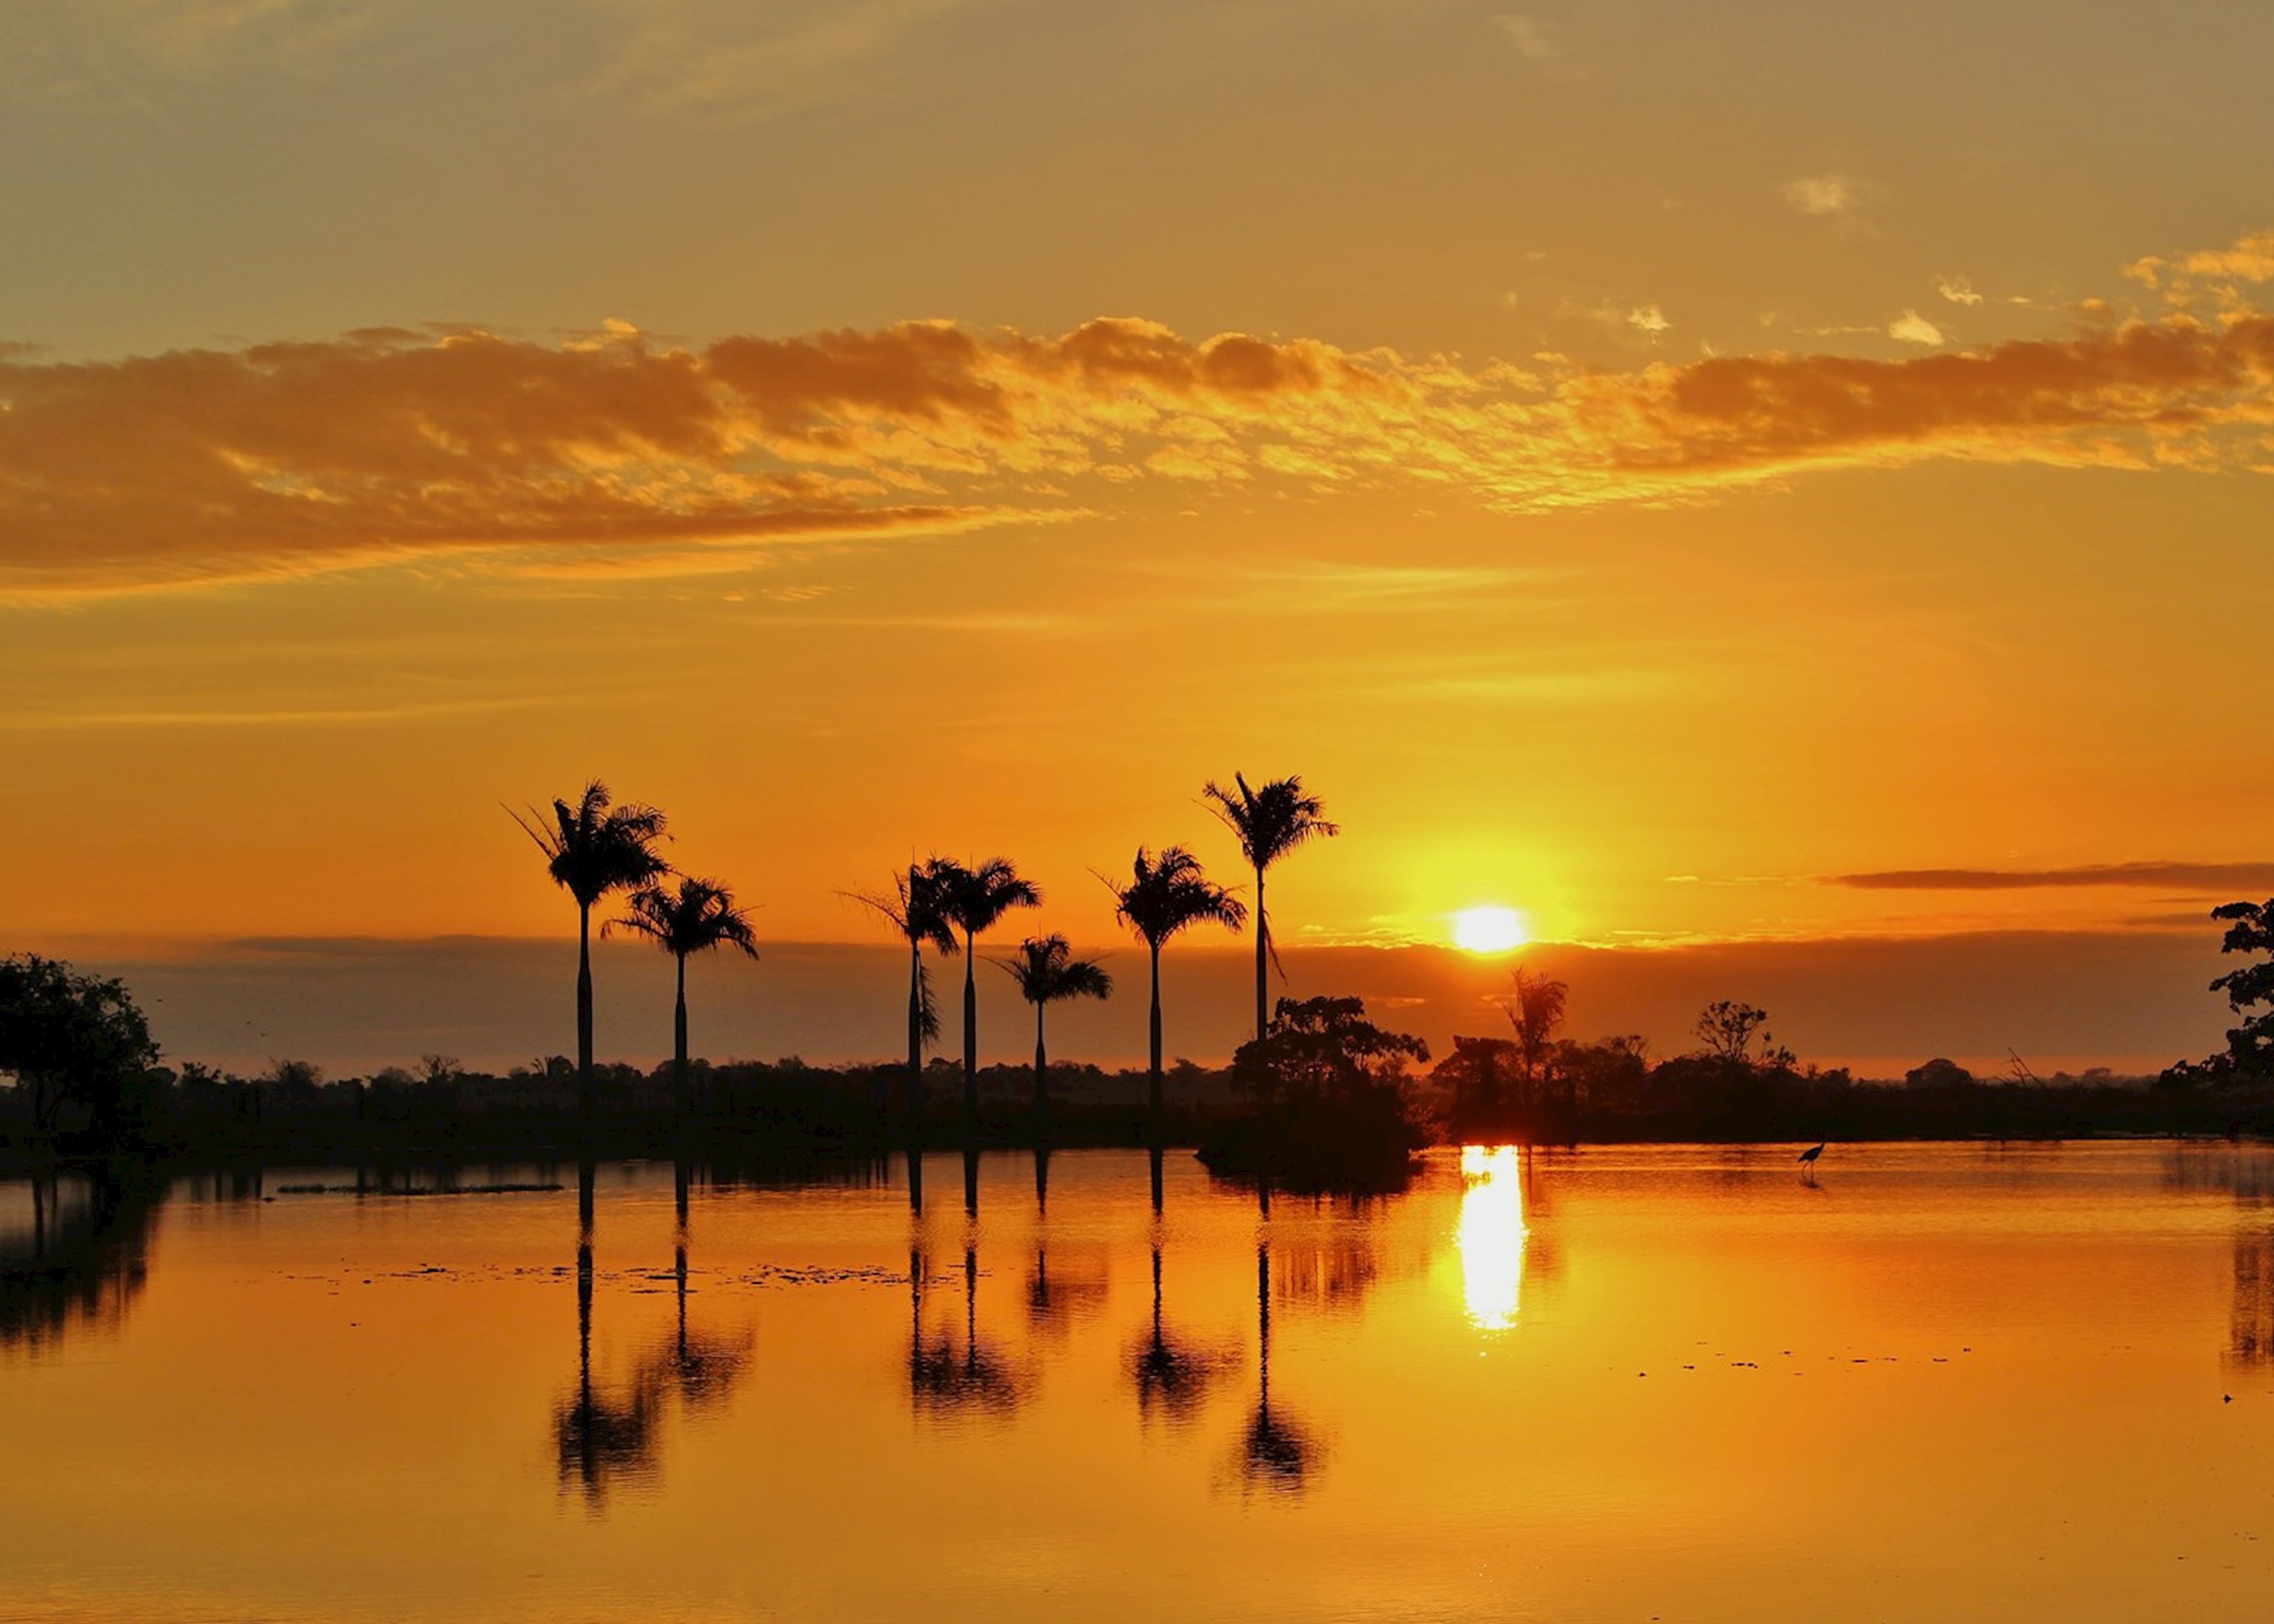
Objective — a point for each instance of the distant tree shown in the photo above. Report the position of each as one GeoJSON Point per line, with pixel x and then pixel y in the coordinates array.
{"type": "Point", "coordinates": [976, 899]}
{"type": "Point", "coordinates": [1612, 1073]}
{"type": "Point", "coordinates": [1166, 896]}
{"type": "Point", "coordinates": [1727, 1029]}
{"type": "Point", "coordinates": [1324, 1049]}
{"type": "Point", "coordinates": [1535, 1012]}
{"type": "Point", "coordinates": [916, 908]}
{"type": "Point", "coordinates": [592, 849]}
{"type": "Point", "coordinates": [72, 1038]}
{"type": "Point", "coordinates": [1270, 823]}
{"type": "Point", "coordinates": [698, 917]}
{"type": "Point", "coordinates": [2249, 930]}
{"type": "Point", "coordinates": [1047, 972]}
{"type": "Point", "coordinates": [1938, 1073]}
{"type": "Point", "coordinates": [1474, 1077]}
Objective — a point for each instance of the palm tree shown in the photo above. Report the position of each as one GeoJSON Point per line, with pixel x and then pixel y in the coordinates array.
{"type": "Point", "coordinates": [591, 850]}
{"type": "Point", "coordinates": [1270, 823]}
{"type": "Point", "coordinates": [1534, 1010]}
{"type": "Point", "coordinates": [1166, 895]}
{"type": "Point", "coordinates": [698, 917]}
{"type": "Point", "coordinates": [976, 897]}
{"type": "Point", "coordinates": [1047, 971]}
{"type": "Point", "coordinates": [917, 908]}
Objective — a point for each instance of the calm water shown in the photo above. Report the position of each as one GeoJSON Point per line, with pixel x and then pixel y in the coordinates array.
{"type": "Point", "coordinates": [1937, 1383]}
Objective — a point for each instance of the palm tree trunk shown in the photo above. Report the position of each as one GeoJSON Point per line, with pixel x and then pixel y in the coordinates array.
{"type": "Point", "coordinates": [970, 1038]}
{"type": "Point", "coordinates": [1153, 1076]}
{"type": "Point", "coordinates": [679, 1101]}
{"type": "Point", "coordinates": [915, 1038]}
{"type": "Point", "coordinates": [1262, 955]}
{"type": "Point", "coordinates": [1041, 1077]}
{"type": "Point", "coordinates": [585, 1102]}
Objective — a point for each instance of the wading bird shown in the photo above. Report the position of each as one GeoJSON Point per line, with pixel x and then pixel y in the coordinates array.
{"type": "Point", "coordinates": [1810, 1155]}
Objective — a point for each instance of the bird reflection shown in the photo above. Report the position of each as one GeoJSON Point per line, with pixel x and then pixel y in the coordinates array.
{"type": "Point", "coordinates": [85, 1258]}
{"type": "Point", "coordinates": [1277, 1452]}
{"type": "Point", "coordinates": [977, 1380]}
{"type": "Point", "coordinates": [602, 1438]}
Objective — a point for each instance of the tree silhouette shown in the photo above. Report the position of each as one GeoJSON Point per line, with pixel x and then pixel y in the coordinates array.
{"type": "Point", "coordinates": [591, 850]}
{"type": "Point", "coordinates": [1535, 1012]}
{"type": "Point", "coordinates": [1047, 972]}
{"type": "Point", "coordinates": [1167, 895]}
{"type": "Point", "coordinates": [66, 1036]}
{"type": "Point", "coordinates": [1270, 823]}
{"type": "Point", "coordinates": [698, 917]}
{"type": "Point", "coordinates": [2249, 930]}
{"type": "Point", "coordinates": [917, 908]}
{"type": "Point", "coordinates": [975, 900]}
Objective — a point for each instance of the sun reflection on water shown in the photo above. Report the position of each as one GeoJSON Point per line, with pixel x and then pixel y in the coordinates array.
{"type": "Point", "coordinates": [1491, 1234]}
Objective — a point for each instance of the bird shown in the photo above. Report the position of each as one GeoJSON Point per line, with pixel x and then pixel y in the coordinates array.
{"type": "Point", "coordinates": [1811, 1152]}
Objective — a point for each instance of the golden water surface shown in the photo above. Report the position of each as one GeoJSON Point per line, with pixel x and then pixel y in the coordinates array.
{"type": "Point", "coordinates": [1929, 1382]}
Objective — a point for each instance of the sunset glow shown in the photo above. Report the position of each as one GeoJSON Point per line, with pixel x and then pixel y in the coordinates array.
{"type": "Point", "coordinates": [1490, 930]}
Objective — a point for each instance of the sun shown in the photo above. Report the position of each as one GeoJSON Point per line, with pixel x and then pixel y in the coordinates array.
{"type": "Point", "coordinates": [1489, 930]}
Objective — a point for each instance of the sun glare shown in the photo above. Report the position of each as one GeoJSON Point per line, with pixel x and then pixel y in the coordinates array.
{"type": "Point", "coordinates": [1491, 1234]}
{"type": "Point", "coordinates": [1489, 931]}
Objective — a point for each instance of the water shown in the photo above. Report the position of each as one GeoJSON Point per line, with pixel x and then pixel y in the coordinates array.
{"type": "Point", "coordinates": [1939, 1382]}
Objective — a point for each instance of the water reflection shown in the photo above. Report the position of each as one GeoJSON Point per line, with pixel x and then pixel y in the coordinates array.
{"type": "Point", "coordinates": [1491, 1234]}
{"type": "Point", "coordinates": [81, 1257]}
{"type": "Point", "coordinates": [978, 1380]}
{"type": "Point", "coordinates": [601, 1437]}
{"type": "Point", "coordinates": [1172, 1375]}
{"type": "Point", "coordinates": [1276, 1450]}
{"type": "Point", "coordinates": [703, 1367]}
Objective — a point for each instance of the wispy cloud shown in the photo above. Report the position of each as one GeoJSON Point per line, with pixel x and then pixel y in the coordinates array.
{"type": "Point", "coordinates": [615, 454]}
{"type": "Point", "coordinates": [735, 58]}
{"type": "Point", "coordinates": [1910, 327]}
{"type": "Point", "coordinates": [2204, 879]}
{"type": "Point", "coordinates": [1825, 196]}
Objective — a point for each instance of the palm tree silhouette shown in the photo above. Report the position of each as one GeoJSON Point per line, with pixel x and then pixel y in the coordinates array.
{"type": "Point", "coordinates": [696, 918]}
{"type": "Point", "coordinates": [1047, 971]}
{"type": "Point", "coordinates": [591, 850]}
{"type": "Point", "coordinates": [1270, 823]}
{"type": "Point", "coordinates": [976, 898]}
{"type": "Point", "coordinates": [1534, 1010]}
{"type": "Point", "coordinates": [1276, 1450]}
{"type": "Point", "coordinates": [917, 908]}
{"type": "Point", "coordinates": [1166, 895]}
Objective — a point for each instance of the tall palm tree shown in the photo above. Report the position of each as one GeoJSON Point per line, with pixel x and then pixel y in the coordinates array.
{"type": "Point", "coordinates": [976, 897]}
{"type": "Point", "coordinates": [1535, 1011]}
{"type": "Point", "coordinates": [699, 917]}
{"type": "Point", "coordinates": [1270, 823]}
{"type": "Point", "coordinates": [1047, 971]}
{"type": "Point", "coordinates": [917, 908]}
{"type": "Point", "coordinates": [591, 849]}
{"type": "Point", "coordinates": [1166, 895]}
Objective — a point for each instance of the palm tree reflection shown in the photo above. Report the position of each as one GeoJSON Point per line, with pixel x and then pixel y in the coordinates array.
{"type": "Point", "coordinates": [942, 1380]}
{"type": "Point", "coordinates": [1277, 1452]}
{"type": "Point", "coordinates": [703, 1367]}
{"type": "Point", "coordinates": [602, 1438]}
{"type": "Point", "coordinates": [1172, 1375]}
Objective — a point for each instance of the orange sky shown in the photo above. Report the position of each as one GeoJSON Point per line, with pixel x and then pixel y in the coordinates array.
{"type": "Point", "coordinates": [1639, 468]}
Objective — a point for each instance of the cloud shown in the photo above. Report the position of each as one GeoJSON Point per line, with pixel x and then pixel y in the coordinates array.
{"type": "Point", "coordinates": [1912, 328]}
{"type": "Point", "coordinates": [1825, 195]}
{"type": "Point", "coordinates": [1526, 35]}
{"type": "Point", "coordinates": [613, 452]}
{"type": "Point", "coordinates": [1957, 289]}
{"type": "Point", "coordinates": [733, 57]}
{"type": "Point", "coordinates": [2203, 879]}
{"type": "Point", "coordinates": [1648, 319]}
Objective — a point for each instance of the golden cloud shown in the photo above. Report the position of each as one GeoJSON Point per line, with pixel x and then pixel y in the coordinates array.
{"type": "Point", "coordinates": [389, 443]}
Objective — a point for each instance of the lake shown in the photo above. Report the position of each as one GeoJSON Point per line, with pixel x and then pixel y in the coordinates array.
{"type": "Point", "coordinates": [1688, 1383]}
